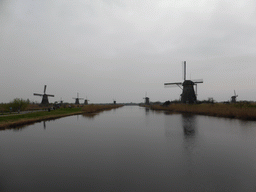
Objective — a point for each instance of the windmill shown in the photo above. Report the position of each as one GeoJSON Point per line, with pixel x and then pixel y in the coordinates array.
{"type": "Point", "coordinates": [77, 99]}
{"type": "Point", "coordinates": [44, 96]}
{"type": "Point", "coordinates": [146, 99]}
{"type": "Point", "coordinates": [114, 101]}
{"type": "Point", "coordinates": [188, 93]}
{"type": "Point", "coordinates": [233, 98]}
{"type": "Point", "coordinates": [86, 101]}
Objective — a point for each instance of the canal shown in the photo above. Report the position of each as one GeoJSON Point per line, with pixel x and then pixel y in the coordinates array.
{"type": "Point", "coordinates": [130, 149]}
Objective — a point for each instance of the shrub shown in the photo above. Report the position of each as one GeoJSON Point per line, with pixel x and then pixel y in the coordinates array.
{"type": "Point", "coordinates": [19, 104]}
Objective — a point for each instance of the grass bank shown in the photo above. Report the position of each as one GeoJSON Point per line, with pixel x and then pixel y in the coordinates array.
{"type": "Point", "coordinates": [239, 111]}
{"type": "Point", "coordinates": [16, 120]}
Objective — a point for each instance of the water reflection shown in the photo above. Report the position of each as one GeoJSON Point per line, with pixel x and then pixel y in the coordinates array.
{"type": "Point", "coordinates": [147, 110]}
{"type": "Point", "coordinates": [189, 124]}
{"type": "Point", "coordinates": [16, 128]}
{"type": "Point", "coordinates": [174, 123]}
{"type": "Point", "coordinates": [89, 115]}
{"type": "Point", "coordinates": [168, 125]}
{"type": "Point", "coordinates": [132, 153]}
{"type": "Point", "coordinates": [248, 128]}
{"type": "Point", "coordinates": [190, 144]}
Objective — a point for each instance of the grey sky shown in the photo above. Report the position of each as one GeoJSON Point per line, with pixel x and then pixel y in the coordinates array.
{"type": "Point", "coordinates": [120, 49]}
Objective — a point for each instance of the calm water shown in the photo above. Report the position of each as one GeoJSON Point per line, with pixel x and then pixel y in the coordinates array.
{"type": "Point", "coordinates": [130, 149]}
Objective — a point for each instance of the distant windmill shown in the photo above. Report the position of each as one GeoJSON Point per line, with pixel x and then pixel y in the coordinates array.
{"type": "Point", "coordinates": [188, 93]}
{"type": "Point", "coordinates": [146, 99]}
{"type": "Point", "coordinates": [44, 96]}
{"type": "Point", "coordinates": [86, 101]}
{"type": "Point", "coordinates": [114, 101]}
{"type": "Point", "coordinates": [77, 99]}
{"type": "Point", "coordinates": [233, 98]}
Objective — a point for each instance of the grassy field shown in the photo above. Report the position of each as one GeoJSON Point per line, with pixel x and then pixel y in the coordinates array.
{"type": "Point", "coordinates": [15, 120]}
{"type": "Point", "coordinates": [243, 111]}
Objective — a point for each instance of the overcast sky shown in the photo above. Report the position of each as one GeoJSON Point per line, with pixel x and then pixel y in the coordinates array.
{"type": "Point", "coordinates": [122, 49]}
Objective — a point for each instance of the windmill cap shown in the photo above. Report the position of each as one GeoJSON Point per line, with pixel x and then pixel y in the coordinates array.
{"type": "Point", "coordinates": [188, 82]}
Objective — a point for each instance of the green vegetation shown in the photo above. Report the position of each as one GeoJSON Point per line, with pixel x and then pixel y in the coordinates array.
{"type": "Point", "coordinates": [245, 111]}
{"type": "Point", "coordinates": [19, 104]}
{"type": "Point", "coordinates": [14, 120]}
{"type": "Point", "coordinates": [15, 105]}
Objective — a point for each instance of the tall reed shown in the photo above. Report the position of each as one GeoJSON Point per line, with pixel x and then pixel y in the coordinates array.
{"type": "Point", "coordinates": [246, 112]}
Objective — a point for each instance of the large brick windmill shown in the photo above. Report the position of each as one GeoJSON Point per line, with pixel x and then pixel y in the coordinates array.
{"type": "Point", "coordinates": [77, 99]}
{"type": "Point", "coordinates": [188, 93]}
{"type": "Point", "coordinates": [44, 96]}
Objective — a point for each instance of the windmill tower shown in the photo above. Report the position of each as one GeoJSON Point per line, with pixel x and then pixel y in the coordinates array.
{"type": "Point", "coordinates": [233, 98]}
{"type": "Point", "coordinates": [77, 99]}
{"type": "Point", "coordinates": [188, 92]}
{"type": "Point", "coordinates": [44, 96]}
{"type": "Point", "coordinates": [114, 101]}
{"type": "Point", "coordinates": [146, 99]}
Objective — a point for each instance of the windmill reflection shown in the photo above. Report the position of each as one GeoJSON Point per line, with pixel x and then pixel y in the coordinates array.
{"type": "Point", "coordinates": [147, 110]}
{"type": "Point", "coordinates": [190, 143]}
{"type": "Point", "coordinates": [189, 124]}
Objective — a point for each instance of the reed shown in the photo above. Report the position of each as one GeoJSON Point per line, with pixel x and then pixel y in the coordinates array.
{"type": "Point", "coordinates": [239, 111]}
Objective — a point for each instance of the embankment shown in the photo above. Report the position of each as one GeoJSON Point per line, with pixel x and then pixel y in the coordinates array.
{"type": "Point", "coordinates": [18, 120]}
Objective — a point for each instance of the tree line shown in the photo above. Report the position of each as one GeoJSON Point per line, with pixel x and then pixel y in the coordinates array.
{"type": "Point", "coordinates": [16, 105]}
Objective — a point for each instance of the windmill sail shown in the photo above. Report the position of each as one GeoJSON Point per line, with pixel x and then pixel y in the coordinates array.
{"type": "Point", "coordinates": [37, 94]}
{"type": "Point", "coordinates": [49, 95]}
{"type": "Point", "coordinates": [184, 70]}
{"type": "Point", "coordinates": [197, 81]}
{"type": "Point", "coordinates": [177, 83]}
